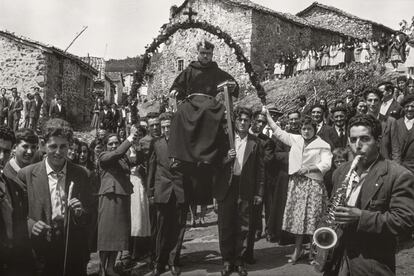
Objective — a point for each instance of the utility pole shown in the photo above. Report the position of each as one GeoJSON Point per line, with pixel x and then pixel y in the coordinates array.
{"type": "Point", "coordinates": [78, 35]}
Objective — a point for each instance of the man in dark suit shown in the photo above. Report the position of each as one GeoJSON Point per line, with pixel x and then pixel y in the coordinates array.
{"type": "Point", "coordinates": [339, 135]}
{"type": "Point", "coordinates": [239, 185]}
{"type": "Point", "coordinates": [58, 198]}
{"type": "Point", "coordinates": [4, 105]}
{"type": "Point", "coordinates": [58, 110]}
{"type": "Point", "coordinates": [116, 118]}
{"type": "Point", "coordinates": [389, 146]}
{"type": "Point", "coordinates": [15, 109]}
{"type": "Point", "coordinates": [327, 133]}
{"type": "Point", "coordinates": [268, 146]}
{"type": "Point", "coordinates": [379, 206]}
{"type": "Point", "coordinates": [38, 108]}
{"type": "Point", "coordinates": [106, 117]}
{"type": "Point", "coordinates": [29, 110]}
{"type": "Point", "coordinates": [166, 191]}
{"type": "Point", "coordinates": [389, 106]}
{"type": "Point", "coordinates": [405, 130]}
{"type": "Point", "coordinates": [19, 255]}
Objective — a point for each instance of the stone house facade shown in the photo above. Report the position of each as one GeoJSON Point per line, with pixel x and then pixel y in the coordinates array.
{"type": "Point", "coordinates": [339, 20]}
{"type": "Point", "coordinates": [26, 64]}
{"type": "Point", "coordinates": [262, 33]}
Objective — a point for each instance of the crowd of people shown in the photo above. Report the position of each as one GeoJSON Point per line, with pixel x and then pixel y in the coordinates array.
{"type": "Point", "coordinates": [397, 49]}
{"type": "Point", "coordinates": [127, 193]}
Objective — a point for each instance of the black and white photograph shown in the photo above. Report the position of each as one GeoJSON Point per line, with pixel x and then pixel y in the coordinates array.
{"type": "Point", "coordinates": [206, 137]}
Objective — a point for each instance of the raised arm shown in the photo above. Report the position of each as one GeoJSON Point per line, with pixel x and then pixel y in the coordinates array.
{"type": "Point", "coordinates": [109, 156]}
{"type": "Point", "coordinates": [279, 133]}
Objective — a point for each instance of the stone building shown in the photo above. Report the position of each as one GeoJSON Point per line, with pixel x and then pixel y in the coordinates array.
{"type": "Point", "coordinates": [339, 20]}
{"type": "Point", "coordinates": [26, 64]}
{"type": "Point", "coordinates": [262, 33]}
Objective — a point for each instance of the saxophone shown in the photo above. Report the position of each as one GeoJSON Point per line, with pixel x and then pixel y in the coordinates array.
{"type": "Point", "coordinates": [325, 238]}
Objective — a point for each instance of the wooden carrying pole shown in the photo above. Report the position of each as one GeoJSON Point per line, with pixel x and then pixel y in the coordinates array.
{"type": "Point", "coordinates": [227, 87]}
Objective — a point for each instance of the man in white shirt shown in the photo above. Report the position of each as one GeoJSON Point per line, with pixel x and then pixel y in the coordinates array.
{"type": "Point", "coordinates": [405, 131]}
{"type": "Point", "coordinates": [59, 198]}
{"type": "Point", "coordinates": [381, 208]}
{"type": "Point", "coordinates": [389, 106]}
{"type": "Point", "coordinates": [239, 185]}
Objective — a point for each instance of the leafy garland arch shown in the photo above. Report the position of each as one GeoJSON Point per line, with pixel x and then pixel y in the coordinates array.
{"type": "Point", "coordinates": [169, 30]}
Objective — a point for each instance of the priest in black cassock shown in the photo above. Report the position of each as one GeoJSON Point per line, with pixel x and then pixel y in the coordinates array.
{"type": "Point", "coordinates": [196, 128]}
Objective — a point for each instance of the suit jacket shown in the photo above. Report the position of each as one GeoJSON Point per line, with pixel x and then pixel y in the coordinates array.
{"type": "Point", "coordinates": [387, 203]}
{"type": "Point", "coordinates": [252, 176]}
{"type": "Point", "coordinates": [405, 141]}
{"type": "Point", "coordinates": [56, 113]}
{"type": "Point", "coordinates": [389, 147]}
{"type": "Point", "coordinates": [115, 171]}
{"type": "Point", "coordinates": [15, 108]}
{"type": "Point", "coordinates": [106, 119]}
{"type": "Point", "coordinates": [162, 182]}
{"type": "Point", "coordinates": [268, 146]}
{"type": "Point", "coordinates": [37, 108]}
{"type": "Point", "coordinates": [394, 110]}
{"type": "Point", "coordinates": [339, 142]}
{"type": "Point", "coordinates": [4, 105]}
{"type": "Point", "coordinates": [40, 208]}
{"type": "Point", "coordinates": [29, 109]}
{"type": "Point", "coordinates": [329, 135]}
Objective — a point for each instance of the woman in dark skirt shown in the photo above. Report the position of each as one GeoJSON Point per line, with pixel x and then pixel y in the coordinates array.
{"type": "Point", "coordinates": [114, 215]}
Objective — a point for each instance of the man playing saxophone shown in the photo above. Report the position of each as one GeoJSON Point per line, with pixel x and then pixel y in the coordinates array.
{"type": "Point", "coordinates": [379, 206]}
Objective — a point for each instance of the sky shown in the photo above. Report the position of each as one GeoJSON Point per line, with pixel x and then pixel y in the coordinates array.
{"type": "Point", "coordinates": [121, 28]}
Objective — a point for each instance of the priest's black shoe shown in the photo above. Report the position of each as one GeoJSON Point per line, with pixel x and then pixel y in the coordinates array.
{"type": "Point", "coordinates": [241, 270]}
{"type": "Point", "coordinates": [175, 270]}
{"type": "Point", "coordinates": [249, 260]}
{"type": "Point", "coordinates": [227, 270]}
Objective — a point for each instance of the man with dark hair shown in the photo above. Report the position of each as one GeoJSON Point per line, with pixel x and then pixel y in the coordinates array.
{"type": "Point", "coordinates": [389, 147]}
{"type": "Point", "coordinates": [400, 91]}
{"type": "Point", "coordinates": [29, 111]}
{"type": "Point", "coordinates": [389, 106]}
{"type": "Point", "coordinates": [294, 121]}
{"type": "Point", "coordinates": [38, 108]}
{"type": "Point", "coordinates": [7, 141]}
{"type": "Point", "coordinates": [303, 108]}
{"type": "Point", "coordinates": [378, 207]}
{"type": "Point", "coordinates": [268, 146]}
{"type": "Point", "coordinates": [4, 106]}
{"type": "Point", "coordinates": [239, 185]}
{"type": "Point", "coordinates": [405, 130]}
{"type": "Point", "coordinates": [349, 96]}
{"type": "Point", "coordinates": [166, 191]}
{"type": "Point", "coordinates": [58, 204]}
{"type": "Point", "coordinates": [58, 110]}
{"type": "Point", "coordinates": [327, 133]}
{"type": "Point", "coordinates": [339, 116]}
{"type": "Point", "coordinates": [15, 109]}
{"type": "Point", "coordinates": [19, 257]}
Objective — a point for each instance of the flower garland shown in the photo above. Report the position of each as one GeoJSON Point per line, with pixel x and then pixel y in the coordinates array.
{"type": "Point", "coordinates": [168, 30]}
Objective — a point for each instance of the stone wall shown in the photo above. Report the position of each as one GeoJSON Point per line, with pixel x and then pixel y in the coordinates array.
{"type": "Point", "coordinates": [273, 36]}
{"type": "Point", "coordinates": [342, 23]}
{"type": "Point", "coordinates": [182, 45]}
{"type": "Point", "coordinates": [21, 66]}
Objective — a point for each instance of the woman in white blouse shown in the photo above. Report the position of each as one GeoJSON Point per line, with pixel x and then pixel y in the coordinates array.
{"type": "Point", "coordinates": [309, 159]}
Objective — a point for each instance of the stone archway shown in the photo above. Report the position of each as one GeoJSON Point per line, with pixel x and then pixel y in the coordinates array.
{"type": "Point", "coordinates": [168, 30]}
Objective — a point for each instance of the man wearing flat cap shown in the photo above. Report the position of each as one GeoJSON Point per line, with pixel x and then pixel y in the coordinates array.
{"type": "Point", "coordinates": [405, 130]}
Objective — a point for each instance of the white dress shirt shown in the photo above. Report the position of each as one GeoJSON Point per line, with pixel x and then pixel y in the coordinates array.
{"type": "Point", "coordinates": [57, 191]}
{"type": "Point", "coordinates": [408, 123]}
{"type": "Point", "coordinates": [355, 184]}
{"type": "Point", "coordinates": [385, 106]}
{"type": "Point", "coordinates": [240, 145]}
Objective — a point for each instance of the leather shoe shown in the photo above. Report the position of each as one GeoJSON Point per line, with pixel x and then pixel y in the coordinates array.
{"type": "Point", "coordinates": [241, 270]}
{"type": "Point", "coordinates": [157, 271]}
{"type": "Point", "coordinates": [227, 270]}
{"type": "Point", "coordinates": [175, 270]}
